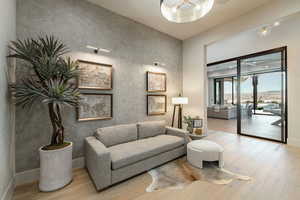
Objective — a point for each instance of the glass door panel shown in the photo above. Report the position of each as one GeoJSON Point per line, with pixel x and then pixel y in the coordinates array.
{"type": "Point", "coordinates": [235, 90]}
{"type": "Point", "coordinates": [269, 97]}
{"type": "Point", "coordinates": [262, 94]}
{"type": "Point", "coordinates": [228, 91]}
{"type": "Point", "coordinates": [246, 93]}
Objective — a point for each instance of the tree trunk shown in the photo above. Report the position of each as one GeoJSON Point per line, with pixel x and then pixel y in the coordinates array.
{"type": "Point", "coordinates": [57, 127]}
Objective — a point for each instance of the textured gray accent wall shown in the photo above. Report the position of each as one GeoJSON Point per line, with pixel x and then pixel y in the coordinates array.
{"type": "Point", "coordinates": [134, 48]}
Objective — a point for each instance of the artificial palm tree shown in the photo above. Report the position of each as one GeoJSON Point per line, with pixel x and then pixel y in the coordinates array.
{"type": "Point", "coordinates": [51, 83]}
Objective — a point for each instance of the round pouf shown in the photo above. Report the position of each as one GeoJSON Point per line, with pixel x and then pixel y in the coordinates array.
{"type": "Point", "coordinates": [204, 150]}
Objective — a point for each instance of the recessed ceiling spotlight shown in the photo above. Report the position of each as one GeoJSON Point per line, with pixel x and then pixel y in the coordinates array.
{"type": "Point", "coordinates": [96, 49]}
{"type": "Point", "coordinates": [264, 31]}
{"type": "Point", "coordinates": [277, 23]}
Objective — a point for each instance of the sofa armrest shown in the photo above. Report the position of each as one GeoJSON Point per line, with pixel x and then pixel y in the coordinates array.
{"type": "Point", "coordinates": [98, 162]}
{"type": "Point", "coordinates": [179, 133]}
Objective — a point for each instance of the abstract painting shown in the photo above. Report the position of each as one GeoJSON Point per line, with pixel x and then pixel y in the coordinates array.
{"type": "Point", "coordinates": [156, 104]}
{"type": "Point", "coordinates": [156, 82]}
{"type": "Point", "coordinates": [95, 107]}
{"type": "Point", "coordinates": [95, 76]}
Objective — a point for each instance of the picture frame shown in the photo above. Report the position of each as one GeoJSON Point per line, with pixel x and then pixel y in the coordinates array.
{"type": "Point", "coordinates": [156, 82]}
{"type": "Point", "coordinates": [197, 123]}
{"type": "Point", "coordinates": [95, 76]}
{"type": "Point", "coordinates": [156, 104]}
{"type": "Point", "coordinates": [95, 106]}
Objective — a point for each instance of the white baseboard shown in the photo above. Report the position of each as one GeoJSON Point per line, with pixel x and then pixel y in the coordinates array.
{"type": "Point", "coordinates": [294, 142]}
{"type": "Point", "coordinates": [8, 193]}
{"type": "Point", "coordinates": [33, 175]}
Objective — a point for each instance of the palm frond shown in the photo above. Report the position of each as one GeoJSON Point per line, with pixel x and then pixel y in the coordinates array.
{"type": "Point", "coordinates": [53, 73]}
{"type": "Point", "coordinates": [60, 93]}
{"type": "Point", "coordinates": [28, 92]}
{"type": "Point", "coordinates": [51, 46]}
{"type": "Point", "coordinates": [67, 69]}
{"type": "Point", "coordinates": [24, 50]}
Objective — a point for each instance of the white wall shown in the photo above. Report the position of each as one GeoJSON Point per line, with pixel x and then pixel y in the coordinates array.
{"type": "Point", "coordinates": [7, 33]}
{"type": "Point", "coordinates": [194, 51]}
{"type": "Point", "coordinates": [287, 34]}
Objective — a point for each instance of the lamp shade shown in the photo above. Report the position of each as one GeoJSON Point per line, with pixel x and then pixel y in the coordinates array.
{"type": "Point", "coordinates": [180, 100]}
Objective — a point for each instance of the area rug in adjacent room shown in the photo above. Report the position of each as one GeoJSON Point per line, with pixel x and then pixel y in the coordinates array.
{"type": "Point", "coordinates": [179, 173]}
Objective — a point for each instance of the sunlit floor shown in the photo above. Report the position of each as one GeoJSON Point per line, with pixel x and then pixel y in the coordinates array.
{"type": "Point", "coordinates": [261, 125]}
{"type": "Point", "coordinates": [257, 125]}
{"type": "Point", "coordinates": [274, 168]}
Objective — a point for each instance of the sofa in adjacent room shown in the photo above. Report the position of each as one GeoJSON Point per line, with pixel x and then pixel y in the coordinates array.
{"type": "Point", "coordinates": [117, 153]}
{"type": "Point", "coordinates": [222, 112]}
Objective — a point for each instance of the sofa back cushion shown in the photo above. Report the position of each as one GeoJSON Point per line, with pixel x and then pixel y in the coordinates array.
{"type": "Point", "coordinates": [151, 129]}
{"type": "Point", "coordinates": [114, 135]}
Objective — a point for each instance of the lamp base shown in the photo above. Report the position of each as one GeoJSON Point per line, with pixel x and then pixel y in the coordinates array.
{"type": "Point", "coordinates": [179, 116]}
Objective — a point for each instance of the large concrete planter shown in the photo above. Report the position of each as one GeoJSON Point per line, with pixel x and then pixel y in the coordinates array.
{"type": "Point", "coordinates": [55, 168]}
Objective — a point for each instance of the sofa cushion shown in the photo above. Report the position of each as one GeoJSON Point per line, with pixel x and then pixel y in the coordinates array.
{"type": "Point", "coordinates": [126, 154]}
{"type": "Point", "coordinates": [151, 129]}
{"type": "Point", "coordinates": [114, 135]}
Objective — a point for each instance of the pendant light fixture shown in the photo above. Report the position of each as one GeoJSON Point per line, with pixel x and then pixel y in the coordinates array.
{"type": "Point", "coordinates": [183, 11]}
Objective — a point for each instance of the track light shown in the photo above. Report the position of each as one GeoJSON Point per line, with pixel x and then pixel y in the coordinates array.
{"type": "Point", "coordinates": [96, 49]}
{"type": "Point", "coordinates": [159, 64]}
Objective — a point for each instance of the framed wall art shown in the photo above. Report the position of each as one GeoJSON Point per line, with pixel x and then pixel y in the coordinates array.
{"type": "Point", "coordinates": [95, 76]}
{"type": "Point", "coordinates": [156, 82]}
{"type": "Point", "coordinates": [156, 104]}
{"type": "Point", "coordinates": [95, 107]}
{"type": "Point", "coordinates": [197, 123]}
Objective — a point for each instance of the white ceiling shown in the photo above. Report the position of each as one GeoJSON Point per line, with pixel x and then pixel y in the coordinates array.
{"type": "Point", "coordinates": [148, 12]}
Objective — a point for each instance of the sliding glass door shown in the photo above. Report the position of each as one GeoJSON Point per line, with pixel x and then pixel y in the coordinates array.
{"type": "Point", "coordinates": [255, 86]}
{"type": "Point", "coordinates": [262, 95]}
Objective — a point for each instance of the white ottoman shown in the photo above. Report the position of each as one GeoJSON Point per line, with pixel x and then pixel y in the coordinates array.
{"type": "Point", "coordinates": [204, 150]}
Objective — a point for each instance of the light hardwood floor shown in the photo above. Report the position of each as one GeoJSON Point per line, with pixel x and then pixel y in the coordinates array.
{"type": "Point", "coordinates": [229, 126]}
{"type": "Point", "coordinates": [275, 169]}
{"type": "Point", "coordinates": [257, 125]}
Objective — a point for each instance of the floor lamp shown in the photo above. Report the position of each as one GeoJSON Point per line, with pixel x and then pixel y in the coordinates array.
{"type": "Point", "coordinates": [178, 102]}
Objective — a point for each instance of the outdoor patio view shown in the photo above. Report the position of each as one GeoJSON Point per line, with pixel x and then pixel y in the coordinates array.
{"type": "Point", "coordinates": [266, 97]}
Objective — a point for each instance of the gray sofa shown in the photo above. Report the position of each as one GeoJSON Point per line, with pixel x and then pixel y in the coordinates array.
{"type": "Point", "coordinates": [117, 153]}
{"type": "Point", "coordinates": [222, 112]}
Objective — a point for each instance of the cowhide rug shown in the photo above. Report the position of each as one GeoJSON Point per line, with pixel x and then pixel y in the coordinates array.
{"type": "Point", "coordinates": [179, 173]}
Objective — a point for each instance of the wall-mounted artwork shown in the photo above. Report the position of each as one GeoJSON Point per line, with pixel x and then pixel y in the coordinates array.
{"type": "Point", "coordinates": [156, 104]}
{"type": "Point", "coordinates": [156, 82]}
{"type": "Point", "coordinates": [95, 107]}
{"type": "Point", "coordinates": [95, 76]}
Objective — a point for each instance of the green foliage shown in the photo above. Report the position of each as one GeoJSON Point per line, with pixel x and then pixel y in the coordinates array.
{"type": "Point", "coordinates": [51, 83]}
{"type": "Point", "coordinates": [188, 120]}
{"type": "Point", "coordinates": [53, 74]}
